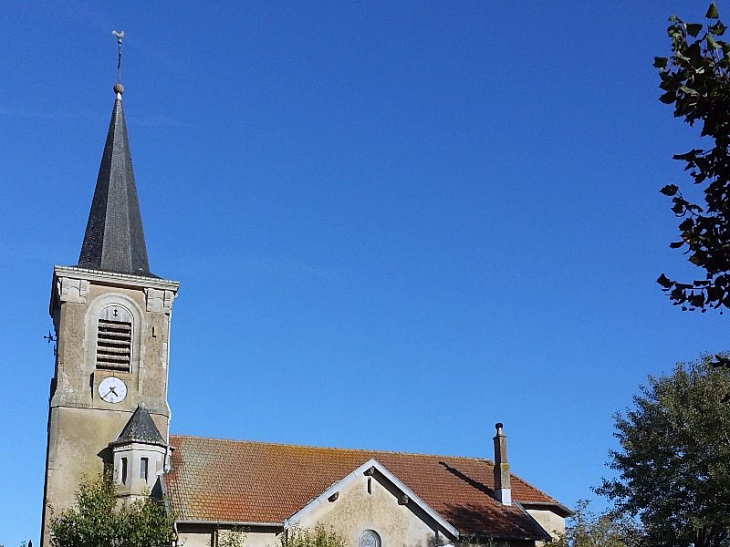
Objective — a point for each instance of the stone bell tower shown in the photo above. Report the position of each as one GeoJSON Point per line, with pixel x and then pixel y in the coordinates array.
{"type": "Point", "coordinates": [111, 317]}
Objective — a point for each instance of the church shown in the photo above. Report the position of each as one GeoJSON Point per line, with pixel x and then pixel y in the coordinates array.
{"type": "Point", "coordinates": [108, 412]}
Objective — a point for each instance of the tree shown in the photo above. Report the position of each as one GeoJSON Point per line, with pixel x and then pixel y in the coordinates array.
{"type": "Point", "coordinates": [674, 459]}
{"type": "Point", "coordinates": [587, 529]}
{"type": "Point", "coordinates": [319, 537]}
{"type": "Point", "coordinates": [100, 519]}
{"type": "Point", "coordinates": [696, 80]}
{"type": "Point", "coordinates": [236, 537]}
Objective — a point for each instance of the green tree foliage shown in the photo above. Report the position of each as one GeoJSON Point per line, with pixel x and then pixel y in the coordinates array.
{"type": "Point", "coordinates": [586, 529]}
{"type": "Point", "coordinates": [232, 538]}
{"type": "Point", "coordinates": [99, 519]}
{"type": "Point", "coordinates": [674, 459]}
{"type": "Point", "coordinates": [319, 537]}
{"type": "Point", "coordinates": [471, 541]}
{"type": "Point", "coordinates": [696, 80]}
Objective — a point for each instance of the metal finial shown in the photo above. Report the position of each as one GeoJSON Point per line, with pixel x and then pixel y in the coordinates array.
{"type": "Point", "coordinates": [120, 36]}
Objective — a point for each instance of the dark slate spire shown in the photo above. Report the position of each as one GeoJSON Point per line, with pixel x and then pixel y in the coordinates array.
{"type": "Point", "coordinates": [140, 429]}
{"type": "Point", "coordinates": [114, 239]}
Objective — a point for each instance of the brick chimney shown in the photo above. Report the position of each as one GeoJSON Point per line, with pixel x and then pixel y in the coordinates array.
{"type": "Point", "coordinates": [502, 490]}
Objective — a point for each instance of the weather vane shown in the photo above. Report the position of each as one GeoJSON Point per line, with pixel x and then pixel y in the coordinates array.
{"type": "Point", "coordinates": [54, 340]}
{"type": "Point", "coordinates": [120, 37]}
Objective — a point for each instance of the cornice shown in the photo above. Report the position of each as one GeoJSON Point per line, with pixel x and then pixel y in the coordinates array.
{"type": "Point", "coordinates": [117, 279]}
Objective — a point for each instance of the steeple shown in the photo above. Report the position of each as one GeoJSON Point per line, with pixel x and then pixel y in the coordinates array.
{"type": "Point", "coordinates": [114, 239]}
{"type": "Point", "coordinates": [111, 318]}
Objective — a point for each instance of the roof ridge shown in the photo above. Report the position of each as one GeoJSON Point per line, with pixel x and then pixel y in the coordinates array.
{"type": "Point", "coordinates": [339, 449]}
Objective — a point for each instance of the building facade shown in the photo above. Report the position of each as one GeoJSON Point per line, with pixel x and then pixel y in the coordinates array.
{"type": "Point", "coordinates": [108, 413]}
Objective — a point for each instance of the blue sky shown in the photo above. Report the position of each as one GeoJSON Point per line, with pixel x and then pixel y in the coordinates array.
{"type": "Point", "coordinates": [394, 223]}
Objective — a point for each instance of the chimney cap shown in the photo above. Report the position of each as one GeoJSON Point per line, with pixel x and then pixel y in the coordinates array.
{"type": "Point", "coordinates": [499, 426]}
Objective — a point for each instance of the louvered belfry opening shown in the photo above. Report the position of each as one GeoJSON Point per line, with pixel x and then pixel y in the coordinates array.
{"type": "Point", "coordinates": [114, 340]}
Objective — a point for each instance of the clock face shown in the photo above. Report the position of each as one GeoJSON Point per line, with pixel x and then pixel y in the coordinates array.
{"type": "Point", "coordinates": [112, 390]}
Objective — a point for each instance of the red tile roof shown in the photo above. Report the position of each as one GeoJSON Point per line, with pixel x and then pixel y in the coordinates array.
{"type": "Point", "coordinates": [238, 481]}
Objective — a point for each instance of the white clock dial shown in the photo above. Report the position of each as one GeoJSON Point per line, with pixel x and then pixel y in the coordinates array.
{"type": "Point", "coordinates": [112, 390]}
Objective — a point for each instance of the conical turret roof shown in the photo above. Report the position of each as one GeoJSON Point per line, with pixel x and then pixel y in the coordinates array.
{"type": "Point", "coordinates": [114, 239]}
{"type": "Point", "coordinates": [140, 429]}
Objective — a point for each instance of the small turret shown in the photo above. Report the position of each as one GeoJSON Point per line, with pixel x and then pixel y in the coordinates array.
{"type": "Point", "coordinates": [139, 455]}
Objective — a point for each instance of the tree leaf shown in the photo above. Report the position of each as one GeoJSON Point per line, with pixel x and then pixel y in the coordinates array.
{"type": "Point", "coordinates": [669, 97]}
{"type": "Point", "coordinates": [670, 190]}
{"type": "Point", "coordinates": [693, 29]}
{"type": "Point", "coordinates": [711, 43]}
{"type": "Point", "coordinates": [686, 224]}
{"type": "Point", "coordinates": [712, 12]}
{"type": "Point", "coordinates": [664, 281]}
{"type": "Point", "coordinates": [718, 29]}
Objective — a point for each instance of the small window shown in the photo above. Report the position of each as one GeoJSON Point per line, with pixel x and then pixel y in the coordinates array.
{"type": "Point", "coordinates": [143, 468]}
{"type": "Point", "coordinates": [124, 471]}
{"type": "Point", "coordinates": [114, 339]}
{"type": "Point", "coordinates": [369, 538]}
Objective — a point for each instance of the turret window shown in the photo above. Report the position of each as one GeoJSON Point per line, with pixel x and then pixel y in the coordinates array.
{"type": "Point", "coordinates": [114, 339]}
{"type": "Point", "coordinates": [124, 471]}
{"type": "Point", "coordinates": [144, 468]}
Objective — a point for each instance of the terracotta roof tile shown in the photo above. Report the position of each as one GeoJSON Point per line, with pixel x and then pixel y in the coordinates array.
{"type": "Point", "coordinates": [240, 481]}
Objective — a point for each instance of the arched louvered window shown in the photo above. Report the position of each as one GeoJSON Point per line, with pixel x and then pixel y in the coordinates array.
{"type": "Point", "coordinates": [114, 339]}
